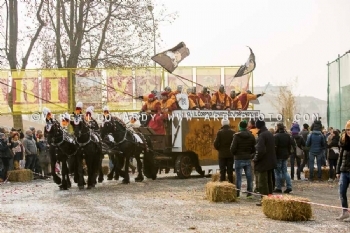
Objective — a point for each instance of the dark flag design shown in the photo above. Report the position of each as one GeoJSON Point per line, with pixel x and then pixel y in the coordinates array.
{"type": "Point", "coordinates": [248, 67]}
{"type": "Point", "coordinates": [171, 58]}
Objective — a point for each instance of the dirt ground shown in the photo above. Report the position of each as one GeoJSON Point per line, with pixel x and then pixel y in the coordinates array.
{"type": "Point", "coordinates": [167, 204]}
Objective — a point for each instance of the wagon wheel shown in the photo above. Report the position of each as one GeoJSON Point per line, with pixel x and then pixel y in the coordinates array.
{"type": "Point", "coordinates": [183, 166]}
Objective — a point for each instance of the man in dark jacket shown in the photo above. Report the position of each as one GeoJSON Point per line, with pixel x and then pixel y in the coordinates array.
{"type": "Point", "coordinates": [316, 141]}
{"type": "Point", "coordinates": [284, 144]}
{"type": "Point", "coordinates": [222, 143]}
{"type": "Point", "coordinates": [5, 155]}
{"type": "Point", "coordinates": [243, 148]}
{"type": "Point", "coordinates": [265, 160]}
{"type": "Point", "coordinates": [304, 134]}
{"type": "Point", "coordinates": [300, 143]}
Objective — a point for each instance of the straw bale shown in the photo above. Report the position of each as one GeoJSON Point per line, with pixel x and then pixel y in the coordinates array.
{"type": "Point", "coordinates": [286, 208]}
{"type": "Point", "coordinates": [325, 173]}
{"type": "Point", "coordinates": [215, 177]}
{"type": "Point", "coordinates": [22, 175]}
{"type": "Point", "coordinates": [221, 192]}
{"type": "Point", "coordinates": [105, 170]}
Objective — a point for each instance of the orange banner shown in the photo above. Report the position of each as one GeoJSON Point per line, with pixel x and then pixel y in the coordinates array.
{"type": "Point", "coordinates": [209, 77]}
{"type": "Point", "coordinates": [55, 90]}
{"type": "Point", "coordinates": [4, 78]}
{"type": "Point", "coordinates": [119, 89]}
{"type": "Point", "coordinates": [26, 91]}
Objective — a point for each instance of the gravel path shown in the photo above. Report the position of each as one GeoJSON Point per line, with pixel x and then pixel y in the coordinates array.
{"type": "Point", "coordinates": [167, 204]}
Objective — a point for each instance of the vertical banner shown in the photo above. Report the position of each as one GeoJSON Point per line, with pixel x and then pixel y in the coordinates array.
{"type": "Point", "coordinates": [25, 93]}
{"type": "Point", "coordinates": [119, 89]}
{"type": "Point", "coordinates": [186, 72]}
{"type": "Point", "coordinates": [54, 86]}
{"type": "Point", "coordinates": [147, 80]}
{"type": "Point", "coordinates": [209, 77]}
{"type": "Point", "coordinates": [239, 83]}
{"type": "Point", "coordinates": [88, 88]}
{"type": "Point", "coordinates": [4, 106]}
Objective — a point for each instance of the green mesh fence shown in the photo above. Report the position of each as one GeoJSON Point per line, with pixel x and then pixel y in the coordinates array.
{"type": "Point", "coordinates": [339, 92]}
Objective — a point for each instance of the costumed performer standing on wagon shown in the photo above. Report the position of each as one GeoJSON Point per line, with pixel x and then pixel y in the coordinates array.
{"type": "Point", "coordinates": [220, 100]}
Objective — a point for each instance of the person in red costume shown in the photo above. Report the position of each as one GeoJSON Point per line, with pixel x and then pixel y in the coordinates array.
{"type": "Point", "coordinates": [157, 124]}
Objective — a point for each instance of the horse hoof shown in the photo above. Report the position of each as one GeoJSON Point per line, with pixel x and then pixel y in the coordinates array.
{"type": "Point", "coordinates": [139, 179]}
{"type": "Point", "coordinates": [109, 178]}
{"type": "Point", "coordinates": [89, 187]}
{"type": "Point", "coordinates": [116, 178]}
{"type": "Point", "coordinates": [100, 180]}
{"type": "Point", "coordinates": [126, 181]}
{"type": "Point", "coordinates": [81, 187]}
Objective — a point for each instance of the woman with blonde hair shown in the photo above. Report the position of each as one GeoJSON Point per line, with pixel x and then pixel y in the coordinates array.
{"type": "Point", "coordinates": [343, 170]}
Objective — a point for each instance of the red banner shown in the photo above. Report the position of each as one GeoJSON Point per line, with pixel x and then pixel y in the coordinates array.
{"type": "Point", "coordinates": [186, 72]}
{"type": "Point", "coordinates": [25, 91]}
{"type": "Point", "coordinates": [209, 77]}
{"type": "Point", "coordinates": [55, 90]}
{"type": "Point", "coordinates": [4, 107]}
{"type": "Point", "coordinates": [119, 89]}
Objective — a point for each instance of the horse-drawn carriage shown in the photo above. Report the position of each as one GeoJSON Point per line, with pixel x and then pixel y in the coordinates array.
{"type": "Point", "coordinates": [188, 144]}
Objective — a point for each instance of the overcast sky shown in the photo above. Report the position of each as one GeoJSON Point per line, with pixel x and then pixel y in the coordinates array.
{"type": "Point", "coordinates": [294, 38]}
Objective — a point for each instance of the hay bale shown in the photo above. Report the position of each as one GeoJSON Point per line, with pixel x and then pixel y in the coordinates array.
{"type": "Point", "coordinates": [221, 192]}
{"type": "Point", "coordinates": [215, 177]}
{"type": "Point", "coordinates": [325, 173]}
{"type": "Point", "coordinates": [105, 170]}
{"type": "Point", "coordinates": [22, 175]}
{"type": "Point", "coordinates": [286, 208]}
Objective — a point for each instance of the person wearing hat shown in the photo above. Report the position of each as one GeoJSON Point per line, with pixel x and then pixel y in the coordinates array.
{"type": "Point", "coordinates": [343, 171]}
{"type": "Point", "coordinates": [167, 105]}
{"type": "Point", "coordinates": [234, 102]}
{"type": "Point", "coordinates": [316, 141]}
{"type": "Point", "coordinates": [91, 121]}
{"type": "Point", "coordinates": [222, 144]}
{"type": "Point", "coordinates": [243, 150]}
{"type": "Point", "coordinates": [247, 96]}
{"type": "Point", "coordinates": [205, 97]}
{"type": "Point", "coordinates": [220, 100]}
{"type": "Point", "coordinates": [78, 108]}
{"type": "Point", "coordinates": [196, 103]}
{"type": "Point", "coordinates": [5, 155]}
{"type": "Point", "coordinates": [265, 160]}
{"type": "Point", "coordinates": [152, 104]}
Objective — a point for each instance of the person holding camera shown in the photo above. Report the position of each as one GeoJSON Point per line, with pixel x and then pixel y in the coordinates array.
{"type": "Point", "coordinates": [5, 155]}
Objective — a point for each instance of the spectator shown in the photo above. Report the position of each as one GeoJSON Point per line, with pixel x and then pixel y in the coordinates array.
{"type": "Point", "coordinates": [265, 160]}
{"type": "Point", "coordinates": [284, 144]}
{"type": "Point", "coordinates": [5, 155]}
{"type": "Point", "coordinates": [33, 133]}
{"type": "Point", "coordinates": [343, 171]}
{"type": "Point", "coordinates": [18, 150]}
{"type": "Point", "coordinates": [252, 128]}
{"type": "Point", "coordinates": [222, 143]}
{"type": "Point", "coordinates": [300, 143]}
{"type": "Point", "coordinates": [295, 128]}
{"type": "Point", "coordinates": [30, 149]}
{"type": "Point", "coordinates": [333, 145]}
{"type": "Point", "coordinates": [44, 156]}
{"type": "Point", "coordinates": [272, 130]}
{"type": "Point", "coordinates": [243, 149]}
{"type": "Point", "coordinates": [316, 142]}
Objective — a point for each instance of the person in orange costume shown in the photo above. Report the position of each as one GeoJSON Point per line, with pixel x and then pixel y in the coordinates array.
{"type": "Point", "coordinates": [167, 105]}
{"type": "Point", "coordinates": [145, 97]}
{"type": "Point", "coordinates": [205, 97]}
{"type": "Point", "coordinates": [220, 100]}
{"type": "Point", "coordinates": [152, 104]}
{"type": "Point", "coordinates": [246, 96]}
{"type": "Point", "coordinates": [234, 102]}
{"type": "Point", "coordinates": [196, 103]}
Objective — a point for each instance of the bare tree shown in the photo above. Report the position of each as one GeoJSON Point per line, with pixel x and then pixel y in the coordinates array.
{"type": "Point", "coordinates": [20, 37]}
{"type": "Point", "coordinates": [284, 101]}
{"type": "Point", "coordinates": [114, 33]}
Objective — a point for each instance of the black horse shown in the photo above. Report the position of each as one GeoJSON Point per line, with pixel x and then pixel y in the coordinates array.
{"type": "Point", "coordinates": [90, 149]}
{"type": "Point", "coordinates": [62, 148]}
{"type": "Point", "coordinates": [128, 143]}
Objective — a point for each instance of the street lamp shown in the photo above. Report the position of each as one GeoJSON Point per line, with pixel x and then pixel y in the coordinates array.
{"type": "Point", "coordinates": [150, 8]}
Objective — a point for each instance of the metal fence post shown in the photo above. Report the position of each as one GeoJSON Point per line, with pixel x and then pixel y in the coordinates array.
{"type": "Point", "coordinates": [340, 110]}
